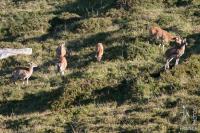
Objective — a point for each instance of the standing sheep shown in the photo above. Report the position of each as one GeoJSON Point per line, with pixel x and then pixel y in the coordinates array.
{"type": "Point", "coordinates": [165, 37]}
{"type": "Point", "coordinates": [99, 51]}
{"type": "Point", "coordinates": [23, 73]}
{"type": "Point", "coordinates": [175, 53]}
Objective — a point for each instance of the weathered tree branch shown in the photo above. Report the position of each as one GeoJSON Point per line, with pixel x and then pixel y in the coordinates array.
{"type": "Point", "coordinates": [7, 52]}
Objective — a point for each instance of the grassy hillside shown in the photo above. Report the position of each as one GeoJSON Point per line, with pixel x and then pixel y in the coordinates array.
{"type": "Point", "coordinates": [123, 93]}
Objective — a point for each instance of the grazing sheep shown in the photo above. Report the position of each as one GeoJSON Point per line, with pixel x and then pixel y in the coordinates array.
{"type": "Point", "coordinates": [175, 53]}
{"type": "Point", "coordinates": [23, 73]}
{"type": "Point", "coordinates": [62, 65]}
{"type": "Point", "coordinates": [156, 33]}
{"type": "Point", "coordinates": [99, 51]}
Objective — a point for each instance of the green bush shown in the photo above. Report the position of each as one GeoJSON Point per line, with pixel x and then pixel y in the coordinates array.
{"type": "Point", "coordinates": [178, 2]}
{"type": "Point", "coordinates": [138, 50]}
{"type": "Point", "coordinates": [90, 7]}
{"type": "Point", "coordinates": [134, 51]}
{"type": "Point", "coordinates": [127, 4]}
{"type": "Point", "coordinates": [93, 25]}
{"type": "Point", "coordinates": [27, 24]}
{"type": "Point", "coordinates": [165, 20]}
{"type": "Point", "coordinates": [175, 22]}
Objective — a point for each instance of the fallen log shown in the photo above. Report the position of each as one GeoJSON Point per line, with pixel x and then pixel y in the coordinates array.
{"type": "Point", "coordinates": [7, 52]}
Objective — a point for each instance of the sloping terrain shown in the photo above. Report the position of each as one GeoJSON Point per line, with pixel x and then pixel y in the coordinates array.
{"type": "Point", "coordinates": [123, 93]}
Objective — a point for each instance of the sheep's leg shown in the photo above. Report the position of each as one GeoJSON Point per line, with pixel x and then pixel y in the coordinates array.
{"type": "Point", "coordinates": [152, 39]}
{"type": "Point", "coordinates": [24, 80]}
{"type": "Point", "coordinates": [99, 58]}
{"type": "Point", "coordinates": [177, 61]}
{"type": "Point", "coordinates": [14, 80]}
{"type": "Point", "coordinates": [27, 81]}
{"type": "Point", "coordinates": [170, 61]}
{"type": "Point", "coordinates": [62, 73]}
{"type": "Point", "coordinates": [163, 47]}
{"type": "Point", "coordinates": [167, 63]}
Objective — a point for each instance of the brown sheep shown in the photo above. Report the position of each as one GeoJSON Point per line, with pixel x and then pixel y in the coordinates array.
{"type": "Point", "coordinates": [99, 51]}
{"type": "Point", "coordinates": [23, 72]}
{"type": "Point", "coordinates": [165, 37]}
{"type": "Point", "coordinates": [175, 53]}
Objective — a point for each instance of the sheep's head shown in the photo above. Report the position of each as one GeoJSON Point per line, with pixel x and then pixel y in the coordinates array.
{"type": "Point", "coordinates": [33, 64]}
{"type": "Point", "coordinates": [178, 40]}
{"type": "Point", "coordinates": [184, 42]}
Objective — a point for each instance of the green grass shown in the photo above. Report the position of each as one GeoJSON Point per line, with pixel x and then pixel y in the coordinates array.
{"type": "Point", "coordinates": [124, 92]}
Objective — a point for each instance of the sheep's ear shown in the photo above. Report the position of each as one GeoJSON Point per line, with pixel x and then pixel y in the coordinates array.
{"type": "Point", "coordinates": [184, 40]}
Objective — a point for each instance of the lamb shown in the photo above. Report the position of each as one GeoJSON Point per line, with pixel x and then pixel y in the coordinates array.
{"type": "Point", "coordinates": [99, 51]}
{"type": "Point", "coordinates": [175, 53]}
{"type": "Point", "coordinates": [62, 65]}
{"type": "Point", "coordinates": [165, 37]}
{"type": "Point", "coordinates": [23, 73]}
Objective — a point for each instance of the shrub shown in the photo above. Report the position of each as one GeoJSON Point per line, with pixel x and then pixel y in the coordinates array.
{"type": "Point", "coordinates": [175, 22]}
{"type": "Point", "coordinates": [133, 51]}
{"type": "Point", "coordinates": [127, 4]}
{"type": "Point", "coordinates": [165, 20]}
{"type": "Point", "coordinates": [90, 7]}
{"type": "Point", "coordinates": [138, 49]}
{"type": "Point", "coordinates": [178, 2]}
{"type": "Point", "coordinates": [27, 23]}
{"type": "Point", "coordinates": [93, 25]}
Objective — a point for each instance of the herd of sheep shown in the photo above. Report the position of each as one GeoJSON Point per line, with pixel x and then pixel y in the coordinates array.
{"type": "Point", "coordinates": [155, 32]}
